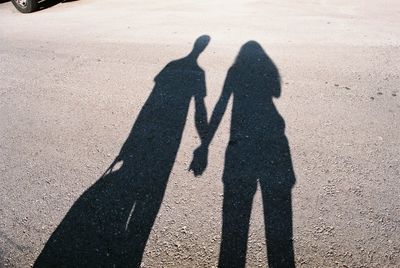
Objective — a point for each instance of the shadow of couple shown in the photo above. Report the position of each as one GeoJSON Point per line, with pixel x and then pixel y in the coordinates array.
{"type": "Point", "coordinates": [109, 225]}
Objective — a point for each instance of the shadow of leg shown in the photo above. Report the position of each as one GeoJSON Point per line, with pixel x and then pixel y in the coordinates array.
{"type": "Point", "coordinates": [237, 205]}
{"type": "Point", "coordinates": [278, 226]}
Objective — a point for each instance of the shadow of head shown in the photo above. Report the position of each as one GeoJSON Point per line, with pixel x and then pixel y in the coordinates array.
{"type": "Point", "coordinates": [200, 45]}
{"type": "Point", "coordinates": [256, 68]}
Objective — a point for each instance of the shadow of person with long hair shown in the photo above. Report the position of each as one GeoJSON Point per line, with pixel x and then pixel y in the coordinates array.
{"type": "Point", "coordinates": [109, 225]}
{"type": "Point", "coordinates": [257, 152]}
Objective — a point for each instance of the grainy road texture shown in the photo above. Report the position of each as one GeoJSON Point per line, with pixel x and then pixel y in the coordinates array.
{"type": "Point", "coordinates": [308, 122]}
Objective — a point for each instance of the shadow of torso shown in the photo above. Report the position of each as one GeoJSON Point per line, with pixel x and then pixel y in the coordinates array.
{"type": "Point", "coordinates": [258, 144]}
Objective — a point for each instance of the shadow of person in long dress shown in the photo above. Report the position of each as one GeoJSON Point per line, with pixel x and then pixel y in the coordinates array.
{"type": "Point", "coordinates": [257, 152]}
{"type": "Point", "coordinates": [108, 226]}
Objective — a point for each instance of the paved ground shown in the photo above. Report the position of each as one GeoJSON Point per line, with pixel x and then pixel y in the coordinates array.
{"type": "Point", "coordinates": [79, 81]}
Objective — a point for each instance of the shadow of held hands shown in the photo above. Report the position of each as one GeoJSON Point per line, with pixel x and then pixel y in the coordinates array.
{"type": "Point", "coordinates": [199, 161]}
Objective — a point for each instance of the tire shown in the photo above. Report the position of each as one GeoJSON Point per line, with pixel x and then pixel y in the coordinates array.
{"type": "Point", "coordinates": [26, 6]}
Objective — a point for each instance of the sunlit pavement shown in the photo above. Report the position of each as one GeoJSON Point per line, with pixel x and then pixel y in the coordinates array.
{"type": "Point", "coordinates": [76, 77]}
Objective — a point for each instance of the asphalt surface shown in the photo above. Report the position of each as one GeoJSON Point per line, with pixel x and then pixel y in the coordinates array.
{"type": "Point", "coordinates": [297, 104]}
